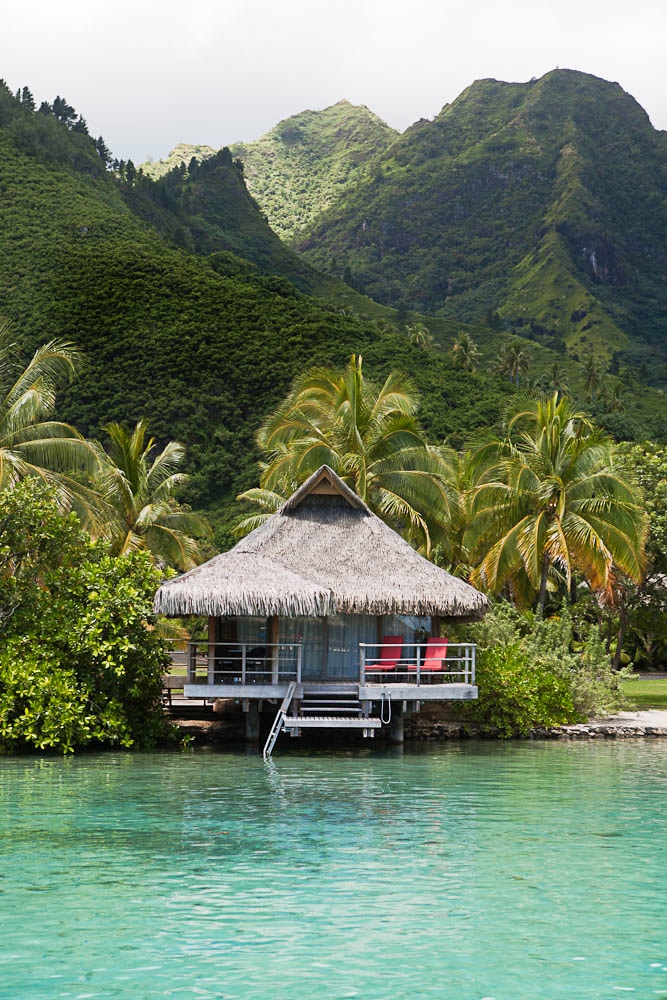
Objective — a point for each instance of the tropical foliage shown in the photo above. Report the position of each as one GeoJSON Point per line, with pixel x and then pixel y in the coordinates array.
{"type": "Point", "coordinates": [31, 442]}
{"type": "Point", "coordinates": [550, 498]}
{"type": "Point", "coordinates": [80, 662]}
{"type": "Point", "coordinates": [138, 485]}
{"type": "Point", "coordinates": [464, 352]}
{"type": "Point", "coordinates": [370, 437]}
{"type": "Point", "coordinates": [537, 673]}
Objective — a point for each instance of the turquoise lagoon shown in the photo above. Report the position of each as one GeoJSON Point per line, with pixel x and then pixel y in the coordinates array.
{"type": "Point", "coordinates": [462, 872]}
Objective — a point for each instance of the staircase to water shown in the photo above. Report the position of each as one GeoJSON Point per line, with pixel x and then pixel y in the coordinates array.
{"type": "Point", "coordinates": [340, 709]}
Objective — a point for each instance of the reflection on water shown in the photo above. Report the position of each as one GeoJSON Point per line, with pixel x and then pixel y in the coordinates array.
{"type": "Point", "coordinates": [465, 871]}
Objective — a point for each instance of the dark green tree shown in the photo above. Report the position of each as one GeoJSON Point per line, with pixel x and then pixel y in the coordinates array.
{"type": "Point", "coordinates": [80, 660]}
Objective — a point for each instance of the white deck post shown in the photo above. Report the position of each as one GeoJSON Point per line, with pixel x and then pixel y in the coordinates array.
{"type": "Point", "coordinates": [274, 635]}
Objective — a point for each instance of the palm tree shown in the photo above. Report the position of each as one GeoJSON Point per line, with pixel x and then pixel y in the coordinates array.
{"type": "Point", "coordinates": [513, 361]}
{"type": "Point", "coordinates": [420, 335]}
{"type": "Point", "coordinates": [464, 352]}
{"type": "Point", "coordinates": [32, 444]}
{"type": "Point", "coordinates": [550, 498]}
{"type": "Point", "coordinates": [370, 437]}
{"type": "Point", "coordinates": [138, 488]}
{"type": "Point", "coordinates": [557, 380]}
{"type": "Point", "coordinates": [593, 375]}
{"type": "Point", "coordinates": [613, 395]}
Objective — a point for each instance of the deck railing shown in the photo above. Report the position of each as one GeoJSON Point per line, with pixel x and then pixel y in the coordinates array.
{"type": "Point", "coordinates": [279, 663]}
{"type": "Point", "coordinates": [415, 667]}
{"type": "Point", "coordinates": [243, 662]}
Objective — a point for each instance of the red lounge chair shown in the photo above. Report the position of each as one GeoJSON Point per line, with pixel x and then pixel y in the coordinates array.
{"type": "Point", "coordinates": [434, 658]}
{"type": "Point", "coordinates": [390, 654]}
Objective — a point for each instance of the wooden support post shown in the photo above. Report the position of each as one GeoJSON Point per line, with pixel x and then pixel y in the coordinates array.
{"type": "Point", "coordinates": [396, 724]}
{"type": "Point", "coordinates": [212, 637]}
{"type": "Point", "coordinates": [252, 722]}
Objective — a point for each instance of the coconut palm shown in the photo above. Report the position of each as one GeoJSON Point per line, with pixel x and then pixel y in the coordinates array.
{"type": "Point", "coordinates": [370, 437]}
{"type": "Point", "coordinates": [513, 361]}
{"type": "Point", "coordinates": [594, 372]}
{"type": "Point", "coordinates": [464, 352]}
{"type": "Point", "coordinates": [420, 335]}
{"type": "Point", "coordinates": [557, 380]}
{"type": "Point", "coordinates": [138, 487]}
{"type": "Point", "coordinates": [31, 443]}
{"type": "Point", "coordinates": [549, 497]}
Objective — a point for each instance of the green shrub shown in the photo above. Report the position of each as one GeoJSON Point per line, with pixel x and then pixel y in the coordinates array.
{"type": "Point", "coordinates": [516, 695]}
{"type": "Point", "coordinates": [536, 673]}
{"type": "Point", "coordinates": [80, 662]}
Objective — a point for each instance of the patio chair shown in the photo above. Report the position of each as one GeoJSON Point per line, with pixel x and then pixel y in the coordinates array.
{"type": "Point", "coordinates": [434, 657]}
{"type": "Point", "coordinates": [390, 654]}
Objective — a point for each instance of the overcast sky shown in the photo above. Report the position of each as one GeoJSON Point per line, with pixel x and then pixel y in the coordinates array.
{"type": "Point", "coordinates": [147, 74]}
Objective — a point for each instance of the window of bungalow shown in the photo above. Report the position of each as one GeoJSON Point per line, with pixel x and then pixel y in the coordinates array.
{"type": "Point", "coordinates": [308, 632]}
{"type": "Point", "coordinates": [253, 630]}
{"type": "Point", "coordinates": [330, 645]}
{"type": "Point", "coordinates": [345, 632]}
{"type": "Point", "coordinates": [414, 628]}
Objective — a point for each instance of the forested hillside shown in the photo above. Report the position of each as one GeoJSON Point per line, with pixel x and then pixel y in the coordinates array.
{"type": "Point", "coordinates": [544, 203]}
{"type": "Point", "coordinates": [308, 162]}
{"type": "Point", "coordinates": [302, 166]}
{"type": "Point", "coordinates": [200, 343]}
{"type": "Point", "coordinates": [538, 209]}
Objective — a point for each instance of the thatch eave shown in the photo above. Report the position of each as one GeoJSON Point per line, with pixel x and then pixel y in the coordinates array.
{"type": "Point", "coordinates": [322, 553]}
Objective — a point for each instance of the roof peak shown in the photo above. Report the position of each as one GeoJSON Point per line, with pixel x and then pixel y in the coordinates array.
{"type": "Point", "coordinates": [324, 482]}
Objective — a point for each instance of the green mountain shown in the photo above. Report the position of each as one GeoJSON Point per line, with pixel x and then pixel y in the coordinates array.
{"type": "Point", "coordinates": [190, 336]}
{"type": "Point", "coordinates": [302, 166]}
{"type": "Point", "coordinates": [543, 202]}
{"type": "Point", "coordinates": [309, 161]}
{"type": "Point", "coordinates": [205, 208]}
{"type": "Point", "coordinates": [181, 155]}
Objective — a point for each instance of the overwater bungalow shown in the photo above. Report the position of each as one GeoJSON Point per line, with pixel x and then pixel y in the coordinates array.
{"type": "Point", "coordinates": [327, 617]}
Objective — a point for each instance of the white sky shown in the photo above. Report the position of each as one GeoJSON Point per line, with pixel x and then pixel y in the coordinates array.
{"type": "Point", "coordinates": [147, 74]}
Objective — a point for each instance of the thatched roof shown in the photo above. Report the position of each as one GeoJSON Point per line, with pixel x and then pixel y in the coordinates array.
{"type": "Point", "coordinates": [324, 552]}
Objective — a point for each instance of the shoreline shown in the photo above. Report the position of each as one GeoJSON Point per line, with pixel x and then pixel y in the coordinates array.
{"type": "Point", "coordinates": [648, 724]}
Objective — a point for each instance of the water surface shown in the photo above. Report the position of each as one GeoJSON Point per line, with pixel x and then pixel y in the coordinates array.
{"type": "Point", "coordinates": [464, 872]}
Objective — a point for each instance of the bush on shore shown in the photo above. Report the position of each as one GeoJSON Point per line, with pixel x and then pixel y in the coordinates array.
{"type": "Point", "coordinates": [535, 673]}
{"type": "Point", "coordinates": [80, 663]}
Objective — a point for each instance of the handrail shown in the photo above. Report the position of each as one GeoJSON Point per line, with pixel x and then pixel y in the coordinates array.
{"type": "Point", "coordinates": [460, 664]}
{"type": "Point", "coordinates": [279, 720]}
{"type": "Point", "coordinates": [254, 662]}
{"type": "Point", "coordinates": [251, 662]}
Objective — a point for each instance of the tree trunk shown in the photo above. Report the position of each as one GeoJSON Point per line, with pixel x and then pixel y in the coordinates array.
{"type": "Point", "coordinates": [543, 585]}
{"type": "Point", "coordinates": [622, 629]}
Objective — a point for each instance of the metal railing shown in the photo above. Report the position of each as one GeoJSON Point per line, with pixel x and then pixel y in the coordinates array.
{"type": "Point", "coordinates": [243, 662]}
{"type": "Point", "coordinates": [415, 666]}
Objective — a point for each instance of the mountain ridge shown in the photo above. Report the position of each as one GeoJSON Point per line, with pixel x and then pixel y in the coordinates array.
{"type": "Point", "coordinates": [541, 203]}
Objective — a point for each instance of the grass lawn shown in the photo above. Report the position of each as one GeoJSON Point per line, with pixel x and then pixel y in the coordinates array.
{"type": "Point", "coordinates": [645, 693]}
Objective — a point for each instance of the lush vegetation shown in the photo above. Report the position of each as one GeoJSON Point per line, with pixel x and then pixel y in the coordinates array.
{"type": "Point", "coordinates": [307, 162]}
{"type": "Point", "coordinates": [537, 673]}
{"type": "Point", "coordinates": [541, 204]}
{"type": "Point", "coordinates": [80, 662]}
{"type": "Point", "coordinates": [547, 498]}
{"type": "Point", "coordinates": [194, 320]}
{"type": "Point", "coordinates": [137, 487]}
{"type": "Point", "coordinates": [31, 442]}
{"type": "Point", "coordinates": [370, 437]}
{"type": "Point", "coordinates": [201, 345]}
